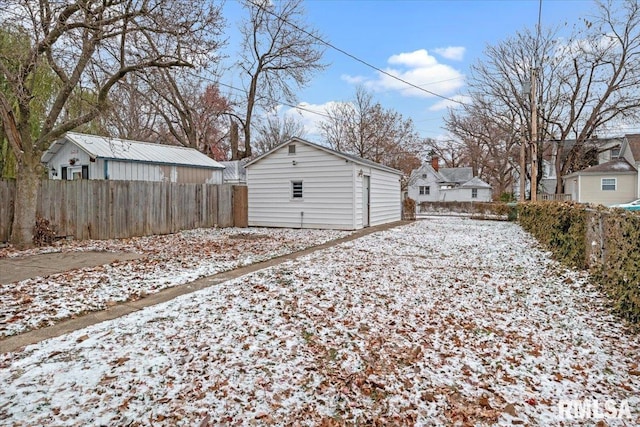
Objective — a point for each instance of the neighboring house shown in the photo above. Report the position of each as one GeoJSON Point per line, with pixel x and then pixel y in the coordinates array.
{"type": "Point", "coordinates": [595, 150]}
{"type": "Point", "coordinates": [235, 172]}
{"type": "Point", "coordinates": [431, 183]}
{"type": "Point", "coordinates": [81, 156]}
{"type": "Point", "coordinates": [615, 180]}
{"type": "Point", "coordinates": [300, 184]}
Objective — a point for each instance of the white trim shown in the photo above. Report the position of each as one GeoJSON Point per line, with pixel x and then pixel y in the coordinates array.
{"type": "Point", "coordinates": [615, 184]}
{"type": "Point", "coordinates": [293, 197]}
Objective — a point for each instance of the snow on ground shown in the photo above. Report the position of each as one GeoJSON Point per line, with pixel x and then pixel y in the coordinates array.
{"type": "Point", "coordinates": [169, 260]}
{"type": "Point", "coordinates": [445, 321]}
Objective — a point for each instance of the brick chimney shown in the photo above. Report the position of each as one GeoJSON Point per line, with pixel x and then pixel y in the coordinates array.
{"type": "Point", "coordinates": [435, 163]}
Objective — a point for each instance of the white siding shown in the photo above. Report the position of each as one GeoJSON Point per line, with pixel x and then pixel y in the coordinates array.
{"type": "Point", "coordinates": [591, 189]}
{"type": "Point", "coordinates": [62, 158]}
{"type": "Point", "coordinates": [130, 170]}
{"type": "Point", "coordinates": [327, 182]}
{"type": "Point", "coordinates": [463, 194]}
{"type": "Point", "coordinates": [385, 197]}
{"type": "Point", "coordinates": [430, 181]}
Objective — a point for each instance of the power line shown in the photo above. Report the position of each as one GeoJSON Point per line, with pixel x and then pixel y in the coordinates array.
{"type": "Point", "coordinates": [355, 58]}
{"type": "Point", "coordinates": [298, 107]}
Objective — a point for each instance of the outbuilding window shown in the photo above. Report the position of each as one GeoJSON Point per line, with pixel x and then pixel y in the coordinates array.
{"type": "Point", "coordinates": [474, 193]}
{"type": "Point", "coordinates": [296, 189]}
{"type": "Point", "coordinates": [292, 148]}
{"type": "Point", "coordinates": [609, 184]}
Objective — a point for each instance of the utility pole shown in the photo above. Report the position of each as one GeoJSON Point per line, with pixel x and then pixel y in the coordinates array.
{"type": "Point", "coordinates": [534, 136]}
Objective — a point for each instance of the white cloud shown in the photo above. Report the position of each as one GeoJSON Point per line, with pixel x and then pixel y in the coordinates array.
{"type": "Point", "coordinates": [418, 68]}
{"type": "Point", "coordinates": [455, 53]}
{"type": "Point", "coordinates": [354, 80]}
{"type": "Point", "coordinates": [310, 115]}
{"type": "Point", "coordinates": [446, 103]}
{"type": "Point", "coordinates": [416, 59]}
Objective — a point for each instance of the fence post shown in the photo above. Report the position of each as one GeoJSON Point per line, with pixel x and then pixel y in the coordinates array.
{"type": "Point", "coordinates": [240, 206]}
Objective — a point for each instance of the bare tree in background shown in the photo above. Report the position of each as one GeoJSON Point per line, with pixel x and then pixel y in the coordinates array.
{"type": "Point", "coordinates": [586, 83]}
{"type": "Point", "coordinates": [273, 130]}
{"type": "Point", "coordinates": [489, 145]}
{"type": "Point", "coordinates": [280, 53]}
{"type": "Point", "coordinates": [600, 79]}
{"type": "Point", "coordinates": [364, 128]}
{"type": "Point", "coordinates": [90, 45]}
{"type": "Point", "coordinates": [451, 151]}
{"type": "Point", "coordinates": [133, 115]}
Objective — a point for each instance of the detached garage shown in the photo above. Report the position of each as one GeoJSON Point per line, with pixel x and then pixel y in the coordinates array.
{"type": "Point", "coordinates": [299, 184]}
{"type": "Point", "coordinates": [81, 156]}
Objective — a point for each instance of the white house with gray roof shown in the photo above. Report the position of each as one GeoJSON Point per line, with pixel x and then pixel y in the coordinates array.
{"type": "Point", "coordinates": [431, 183]}
{"type": "Point", "coordinates": [299, 184]}
{"type": "Point", "coordinates": [81, 156]}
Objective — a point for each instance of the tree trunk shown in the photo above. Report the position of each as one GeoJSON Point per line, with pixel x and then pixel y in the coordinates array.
{"type": "Point", "coordinates": [558, 167]}
{"type": "Point", "coordinates": [233, 137]}
{"type": "Point", "coordinates": [26, 201]}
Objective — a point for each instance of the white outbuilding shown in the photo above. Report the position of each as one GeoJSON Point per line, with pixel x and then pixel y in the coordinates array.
{"type": "Point", "coordinates": [299, 184]}
{"type": "Point", "coordinates": [82, 156]}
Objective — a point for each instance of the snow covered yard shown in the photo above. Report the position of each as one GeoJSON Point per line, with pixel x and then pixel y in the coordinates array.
{"type": "Point", "coordinates": [446, 321]}
{"type": "Point", "coordinates": [170, 260]}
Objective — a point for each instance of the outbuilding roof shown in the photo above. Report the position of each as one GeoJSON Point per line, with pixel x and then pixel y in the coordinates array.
{"type": "Point", "coordinates": [123, 149]}
{"type": "Point", "coordinates": [475, 182]}
{"type": "Point", "coordinates": [614, 166]}
{"type": "Point", "coordinates": [351, 157]}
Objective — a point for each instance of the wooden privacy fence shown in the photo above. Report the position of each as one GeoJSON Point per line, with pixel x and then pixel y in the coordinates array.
{"type": "Point", "coordinates": [91, 209]}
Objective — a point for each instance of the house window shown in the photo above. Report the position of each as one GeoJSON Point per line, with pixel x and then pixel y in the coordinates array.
{"type": "Point", "coordinates": [296, 189]}
{"type": "Point", "coordinates": [85, 172]}
{"type": "Point", "coordinates": [424, 176]}
{"type": "Point", "coordinates": [609, 184]}
{"type": "Point", "coordinates": [292, 148]}
{"type": "Point", "coordinates": [426, 190]}
{"type": "Point", "coordinates": [474, 193]}
{"type": "Point", "coordinates": [615, 152]}
{"type": "Point", "coordinates": [64, 172]}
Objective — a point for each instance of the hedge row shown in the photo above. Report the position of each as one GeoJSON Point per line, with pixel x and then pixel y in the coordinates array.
{"type": "Point", "coordinates": [620, 275]}
{"type": "Point", "coordinates": [562, 228]}
{"type": "Point", "coordinates": [477, 208]}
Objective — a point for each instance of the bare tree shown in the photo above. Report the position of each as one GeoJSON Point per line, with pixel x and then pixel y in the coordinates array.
{"type": "Point", "coordinates": [133, 116]}
{"type": "Point", "coordinates": [488, 144]}
{"type": "Point", "coordinates": [451, 151]}
{"type": "Point", "coordinates": [586, 82]}
{"type": "Point", "coordinates": [90, 45]}
{"type": "Point", "coordinates": [364, 128]}
{"type": "Point", "coordinates": [600, 79]}
{"type": "Point", "coordinates": [273, 130]}
{"type": "Point", "coordinates": [280, 52]}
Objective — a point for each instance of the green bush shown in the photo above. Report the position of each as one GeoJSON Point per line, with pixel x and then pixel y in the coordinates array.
{"type": "Point", "coordinates": [474, 208]}
{"type": "Point", "coordinates": [507, 197]}
{"type": "Point", "coordinates": [619, 276]}
{"type": "Point", "coordinates": [560, 226]}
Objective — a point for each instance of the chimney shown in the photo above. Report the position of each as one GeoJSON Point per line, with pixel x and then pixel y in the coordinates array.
{"type": "Point", "coordinates": [435, 163]}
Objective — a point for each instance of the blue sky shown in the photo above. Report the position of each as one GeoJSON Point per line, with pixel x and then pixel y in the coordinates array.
{"type": "Point", "coordinates": [428, 42]}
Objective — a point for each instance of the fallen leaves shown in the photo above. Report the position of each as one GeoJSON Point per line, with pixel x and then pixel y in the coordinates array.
{"type": "Point", "coordinates": [171, 260]}
{"type": "Point", "coordinates": [427, 324]}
